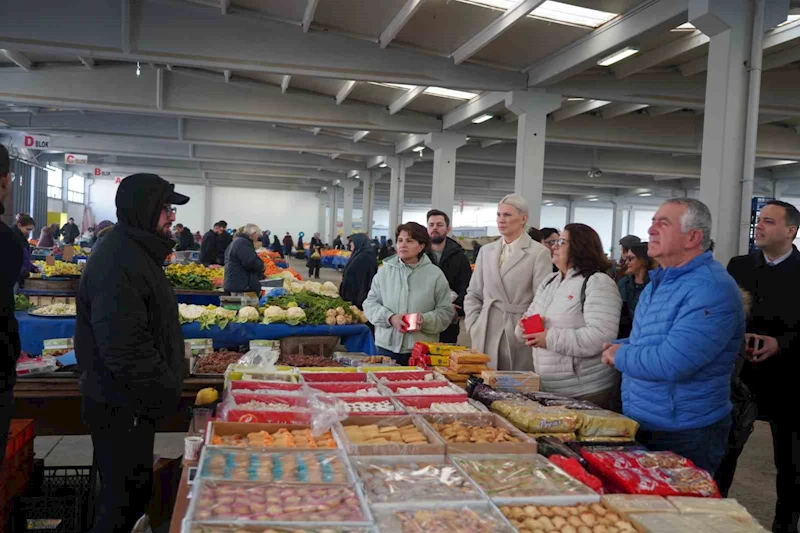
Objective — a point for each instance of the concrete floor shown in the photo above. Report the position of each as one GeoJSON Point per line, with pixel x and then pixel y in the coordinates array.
{"type": "Point", "coordinates": [754, 486]}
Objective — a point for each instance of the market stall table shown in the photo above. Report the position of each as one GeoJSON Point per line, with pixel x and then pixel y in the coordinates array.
{"type": "Point", "coordinates": [34, 330]}
{"type": "Point", "coordinates": [186, 296]}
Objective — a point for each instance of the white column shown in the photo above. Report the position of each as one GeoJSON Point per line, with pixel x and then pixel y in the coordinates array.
{"type": "Point", "coordinates": [729, 24]}
{"type": "Point", "coordinates": [331, 214]}
{"type": "Point", "coordinates": [616, 229]}
{"type": "Point", "coordinates": [444, 146]}
{"type": "Point", "coordinates": [367, 203]}
{"type": "Point", "coordinates": [398, 166]}
{"type": "Point", "coordinates": [321, 197]}
{"type": "Point", "coordinates": [570, 213]}
{"type": "Point", "coordinates": [349, 187]}
{"type": "Point", "coordinates": [207, 222]}
{"type": "Point", "coordinates": [532, 108]}
{"type": "Point", "coordinates": [64, 190]}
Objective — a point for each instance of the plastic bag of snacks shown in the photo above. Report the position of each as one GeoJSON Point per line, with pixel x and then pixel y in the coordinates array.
{"type": "Point", "coordinates": [549, 399]}
{"type": "Point", "coordinates": [572, 467]}
{"type": "Point", "coordinates": [533, 418]}
{"type": "Point", "coordinates": [605, 424]}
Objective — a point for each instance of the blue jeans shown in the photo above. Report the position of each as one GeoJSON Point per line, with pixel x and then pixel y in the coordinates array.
{"type": "Point", "coordinates": [399, 358]}
{"type": "Point", "coordinates": [704, 446]}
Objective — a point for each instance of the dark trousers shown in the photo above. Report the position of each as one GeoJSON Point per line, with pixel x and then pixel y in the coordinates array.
{"type": "Point", "coordinates": [450, 335]}
{"type": "Point", "coordinates": [704, 446]}
{"type": "Point", "coordinates": [123, 452]}
{"type": "Point", "coordinates": [313, 268]}
{"type": "Point", "coordinates": [399, 358]}
{"type": "Point", "coordinates": [6, 411]}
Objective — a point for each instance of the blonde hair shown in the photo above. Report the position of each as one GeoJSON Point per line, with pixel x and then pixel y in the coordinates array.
{"type": "Point", "coordinates": [251, 229]}
{"type": "Point", "coordinates": [517, 202]}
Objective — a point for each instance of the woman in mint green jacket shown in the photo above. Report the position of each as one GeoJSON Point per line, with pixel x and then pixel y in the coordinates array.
{"type": "Point", "coordinates": [408, 283]}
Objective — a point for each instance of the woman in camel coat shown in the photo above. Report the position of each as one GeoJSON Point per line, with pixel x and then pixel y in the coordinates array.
{"type": "Point", "coordinates": [507, 273]}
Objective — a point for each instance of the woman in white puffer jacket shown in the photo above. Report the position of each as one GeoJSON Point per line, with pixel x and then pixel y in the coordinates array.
{"type": "Point", "coordinates": [580, 306]}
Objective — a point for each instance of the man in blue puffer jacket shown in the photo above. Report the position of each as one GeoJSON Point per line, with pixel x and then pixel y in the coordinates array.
{"type": "Point", "coordinates": [689, 326]}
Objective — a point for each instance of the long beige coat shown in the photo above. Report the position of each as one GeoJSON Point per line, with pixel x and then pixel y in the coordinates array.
{"type": "Point", "coordinates": [497, 297]}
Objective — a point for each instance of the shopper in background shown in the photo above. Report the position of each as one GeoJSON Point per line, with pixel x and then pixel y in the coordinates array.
{"type": "Point", "coordinates": [408, 283]}
{"type": "Point", "coordinates": [46, 239]}
{"type": "Point", "coordinates": [102, 230]}
{"type": "Point", "coordinates": [21, 230]}
{"type": "Point", "coordinates": [288, 244]}
{"type": "Point", "coordinates": [506, 276]}
{"type": "Point", "coordinates": [638, 266]}
{"type": "Point", "coordinates": [129, 346]}
{"type": "Point", "coordinates": [300, 246]}
{"type": "Point", "coordinates": [549, 238]}
{"type": "Point", "coordinates": [770, 276]}
{"type": "Point", "coordinates": [449, 256]}
{"type": "Point", "coordinates": [359, 271]}
{"type": "Point", "coordinates": [475, 249]}
{"type": "Point", "coordinates": [70, 231]}
{"type": "Point", "coordinates": [676, 366]}
{"type": "Point", "coordinates": [277, 247]}
{"type": "Point", "coordinates": [10, 267]}
{"type": "Point", "coordinates": [314, 262]}
{"type": "Point", "coordinates": [337, 243]}
{"type": "Point", "coordinates": [316, 241]}
{"type": "Point", "coordinates": [620, 268]}
{"type": "Point", "coordinates": [224, 240]}
{"type": "Point", "coordinates": [209, 245]}
{"type": "Point", "coordinates": [243, 268]}
{"type": "Point", "coordinates": [387, 251]}
{"type": "Point", "coordinates": [535, 234]}
{"type": "Point", "coordinates": [184, 237]}
{"type": "Point", "coordinates": [580, 306]}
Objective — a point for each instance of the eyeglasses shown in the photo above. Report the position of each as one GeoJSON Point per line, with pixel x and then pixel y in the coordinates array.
{"type": "Point", "coordinates": [560, 242]}
{"type": "Point", "coordinates": [550, 242]}
{"type": "Point", "coordinates": [170, 209]}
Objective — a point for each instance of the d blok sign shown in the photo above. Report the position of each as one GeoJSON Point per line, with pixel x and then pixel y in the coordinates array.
{"type": "Point", "coordinates": [37, 142]}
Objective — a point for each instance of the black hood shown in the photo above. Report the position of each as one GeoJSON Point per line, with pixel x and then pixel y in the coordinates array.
{"type": "Point", "coordinates": [140, 198]}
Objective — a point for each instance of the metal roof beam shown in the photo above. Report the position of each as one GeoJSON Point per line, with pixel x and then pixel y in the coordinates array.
{"type": "Point", "coordinates": [617, 110]}
{"type": "Point", "coordinates": [408, 97]}
{"type": "Point", "coordinates": [578, 109]}
{"type": "Point", "coordinates": [495, 29]}
{"type": "Point", "coordinates": [180, 33]}
{"type": "Point", "coordinates": [345, 91]}
{"type": "Point", "coordinates": [464, 113]}
{"type": "Point", "coordinates": [308, 15]}
{"type": "Point", "coordinates": [652, 58]}
{"type": "Point", "coordinates": [399, 21]}
{"type": "Point", "coordinates": [649, 17]}
{"type": "Point", "coordinates": [285, 83]}
{"type": "Point", "coordinates": [18, 58]}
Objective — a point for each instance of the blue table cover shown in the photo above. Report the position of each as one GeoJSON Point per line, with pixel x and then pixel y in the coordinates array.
{"type": "Point", "coordinates": [334, 261]}
{"type": "Point", "coordinates": [33, 330]}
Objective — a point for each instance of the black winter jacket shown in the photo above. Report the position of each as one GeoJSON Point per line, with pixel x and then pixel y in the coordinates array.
{"type": "Point", "coordinates": [358, 272]}
{"type": "Point", "coordinates": [774, 312]}
{"type": "Point", "coordinates": [185, 240]}
{"type": "Point", "coordinates": [10, 266]}
{"type": "Point", "coordinates": [208, 248]}
{"type": "Point", "coordinates": [128, 338]}
{"type": "Point", "coordinates": [243, 268]}
{"type": "Point", "coordinates": [223, 241]}
{"type": "Point", "coordinates": [455, 265]}
{"type": "Point", "coordinates": [70, 233]}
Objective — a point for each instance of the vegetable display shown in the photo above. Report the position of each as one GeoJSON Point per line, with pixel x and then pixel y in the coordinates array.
{"type": "Point", "coordinates": [318, 309]}
{"type": "Point", "coordinates": [21, 303]}
{"type": "Point", "coordinates": [60, 268]}
{"type": "Point", "coordinates": [195, 277]}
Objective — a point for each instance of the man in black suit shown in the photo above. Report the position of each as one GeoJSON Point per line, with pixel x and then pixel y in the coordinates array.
{"type": "Point", "coordinates": [771, 276]}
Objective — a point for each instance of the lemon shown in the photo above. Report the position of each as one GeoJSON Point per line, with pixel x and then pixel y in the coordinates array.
{"type": "Point", "coordinates": [206, 396]}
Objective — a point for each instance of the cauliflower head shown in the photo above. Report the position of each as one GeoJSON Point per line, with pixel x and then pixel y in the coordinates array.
{"type": "Point", "coordinates": [190, 312]}
{"type": "Point", "coordinates": [248, 314]}
{"type": "Point", "coordinates": [273, 313]}
{"type": "Point", "coordinates": [295, 315]}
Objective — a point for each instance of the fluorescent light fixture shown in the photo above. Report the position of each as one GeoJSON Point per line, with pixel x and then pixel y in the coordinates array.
{"type": "Point", "coordinates": [548, 204]}
{"type": "Point", "coordinates": [645, 194]}
{"type": "Point", "coordinates": [789, 20]}
{"type": "Point", "coordinates": [382, 165]}
{"type": "Point", "coordinates": [418, 148]}
{"type": "Point", "coordinates": [594, 199]}
{"type": "Point", "coordinates": [433, 91]}
{"type": "Point", "coordinates": [618, 56]}
{"type": "Point", "coordinates": [685, 27]}
{"type": "Point", "coordinates": [557, 12]}
{"type": "Point", "coordinates": [483, 118]}
{"type": "Point", "coordinates": [575, 99]}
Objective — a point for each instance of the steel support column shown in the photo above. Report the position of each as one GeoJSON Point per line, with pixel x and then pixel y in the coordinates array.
{"type": "Point", "coordinates": [444, 146]}
{"type": "Point", "coordinates": [349, 187]}
{"type": "Point", "coordinates": [532, 108]}
{"type": "Point", "coordinates": [616, 229]}
{"type": "Point", "coordinates": [397, 185]}
{"type": "Point", "coordinates": [367, 199]}
{"type": "Point", "coordinates": [332, 215]}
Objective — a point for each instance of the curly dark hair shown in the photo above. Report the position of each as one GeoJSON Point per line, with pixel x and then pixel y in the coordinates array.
{"type": "Point", "coordinates": [416, 232]}
{"type": "Point", "coordinates": [586, 250]}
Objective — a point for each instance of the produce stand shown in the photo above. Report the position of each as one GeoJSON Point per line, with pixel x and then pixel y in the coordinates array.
{"type": "Point", "coordinates": [54, 402]}
{"type": "Point", "coordinates": [356, 337]}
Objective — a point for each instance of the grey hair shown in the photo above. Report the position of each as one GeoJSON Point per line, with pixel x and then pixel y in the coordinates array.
{"type": "Point", "coordinates": [697, 216]}
{"type": "Point", "coordinates": [250, 230]}
{"type": "Point", "coordinates": [516, 201]}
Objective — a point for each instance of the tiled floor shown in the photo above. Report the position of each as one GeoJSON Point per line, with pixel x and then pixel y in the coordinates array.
{"type": "Point", "coordinates": [76, 450]}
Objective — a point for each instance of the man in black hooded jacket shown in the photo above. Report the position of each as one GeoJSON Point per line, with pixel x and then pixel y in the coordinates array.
{"type": "Point", "coordinates": [10, 267]}
{"type": "Point", "coordinates": [129, 346]}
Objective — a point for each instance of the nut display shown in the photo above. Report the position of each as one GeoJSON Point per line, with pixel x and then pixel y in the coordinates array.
{"type": "Point", "coordinates": [592, 518]}
{"type": "Point", "coordinates": [446, 520]}
{"type": "Point", "coordinates": [519, 476]}
{"type": "Point", "coordinates": [445, 407]}
{"type": "Point", "coordinates": [216, 362]}
{"type": "Point", "coordinates": [219, 500]}
{"type": "Point", "coordinates": [459, 431]}
{"type": "Point", "coordinates": [283, 438]}
{"type": "Point", "coordinates": [240, 465]}
{"type": "Point", "coordinates": [307, 360]}
{"type": "Point", "coordinates": [374, 434]}
{"type": "Point", "coordinates": [370, 407]}
{"type": "Point", "coordinates": [387, 482]}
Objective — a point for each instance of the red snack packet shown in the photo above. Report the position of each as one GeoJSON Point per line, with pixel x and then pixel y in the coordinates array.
{"type": "Point", "coordinates": [532, 324]}
{"type": "Point", "coordinates": [572, 467]}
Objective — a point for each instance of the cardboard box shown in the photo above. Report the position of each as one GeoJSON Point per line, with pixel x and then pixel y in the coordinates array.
{"type": "Point", "coordinates": [440, 360]}
{"type": "Point", "coordinates": [219, 428]}
{"type": "Point", "coordinates": [434, 446]}
{"type": "Point", "coordinates": [526, 444]}
{"type": "Point", "coordinates": [53, 345]}
{"type": "Point", "coordinates": [511, 381]}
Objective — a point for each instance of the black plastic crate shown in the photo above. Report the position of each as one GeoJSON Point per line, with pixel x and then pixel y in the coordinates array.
{"type": "Point", "coordinates": [60, 500]}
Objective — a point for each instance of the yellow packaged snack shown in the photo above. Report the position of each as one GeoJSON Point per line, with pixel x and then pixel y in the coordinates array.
{"type": "Point", "coordinates": [601, 424]}
{"type": "Point", "coordinates": [533, 418]}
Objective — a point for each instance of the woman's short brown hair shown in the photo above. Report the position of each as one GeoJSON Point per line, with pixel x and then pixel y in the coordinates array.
{"type": "Point", "coordinates": [640, 251]}
{"type": "Point", "coordinates": [24, 220]}
{"type": "Point", "coordinates": [586, 250]}
{"type": "Point", "coordinates": [416, 232]}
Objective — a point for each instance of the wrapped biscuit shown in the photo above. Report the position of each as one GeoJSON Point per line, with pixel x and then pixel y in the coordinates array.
{"type": "Point", "coordinates": [468, 357]}
{"type": "Point", "coordinates": [466, 368]}
{"type": "Point", "coordinates": [605, 424]}
{"type": "Point", "coordinates": [533, 418]}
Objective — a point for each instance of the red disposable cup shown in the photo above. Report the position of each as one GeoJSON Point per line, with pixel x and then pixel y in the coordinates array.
{"type": "Point", "coordinates": [412, 320]}
{"type": "Point", "coordinates": [532, 324]}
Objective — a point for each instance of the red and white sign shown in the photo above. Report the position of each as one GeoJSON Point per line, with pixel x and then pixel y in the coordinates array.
{"type": "Point", "coordinates": [118, 179]}
{"type": "Point", "coordinates": [100, 172]}
{"type": "Point", "coordinates": [37, 142]}
{"type": "Point", "coordinates": [76, 159]}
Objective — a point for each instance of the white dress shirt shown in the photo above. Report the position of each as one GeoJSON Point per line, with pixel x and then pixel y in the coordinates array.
{"type": "Point", "coordinates": [508, 248]}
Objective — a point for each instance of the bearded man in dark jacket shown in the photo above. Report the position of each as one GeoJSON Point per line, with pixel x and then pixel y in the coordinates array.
{"type": "Point", "coordinates": [129, 346]}
{"type": "Point", "coordinates": [451, 258]}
